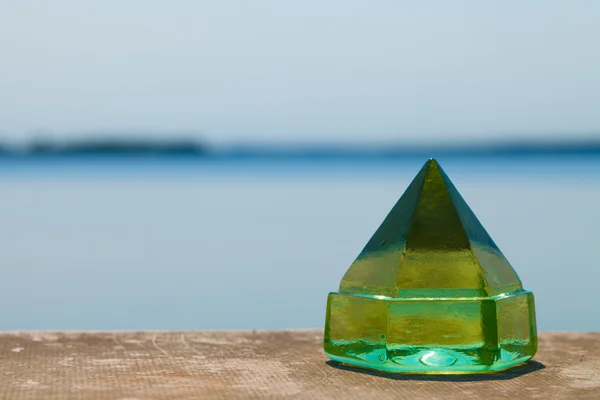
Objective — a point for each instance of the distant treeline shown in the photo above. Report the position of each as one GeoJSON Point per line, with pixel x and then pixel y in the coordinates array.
{"type": "Point", "coordinates": [106, 147]}
{"type": "Point", "coordinates": [191, 148]}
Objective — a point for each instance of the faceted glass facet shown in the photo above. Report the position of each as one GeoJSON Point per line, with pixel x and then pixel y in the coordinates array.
{"type": "Point", "coordinates": [431, 292]}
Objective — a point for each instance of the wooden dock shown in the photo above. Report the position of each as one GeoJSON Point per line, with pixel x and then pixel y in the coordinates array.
{"type": "Point", "coordinates": [264, 365]}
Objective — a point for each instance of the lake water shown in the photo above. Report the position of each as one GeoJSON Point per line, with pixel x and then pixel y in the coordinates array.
{"type": "Point", "coordinates": [188, 244]}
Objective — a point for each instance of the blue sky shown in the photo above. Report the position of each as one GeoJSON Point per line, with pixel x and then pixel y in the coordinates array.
{"type": "Point", "coordinates": [301, 71]}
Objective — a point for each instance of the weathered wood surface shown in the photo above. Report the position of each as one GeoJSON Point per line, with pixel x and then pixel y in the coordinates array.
{"type": "Point", "coordinates": [272, 365]}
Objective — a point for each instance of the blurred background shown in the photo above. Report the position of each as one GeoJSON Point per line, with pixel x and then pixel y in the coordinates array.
{"type": "Point", "coordinates": [219, 165]}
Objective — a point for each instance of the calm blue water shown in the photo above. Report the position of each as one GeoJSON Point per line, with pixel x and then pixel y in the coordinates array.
{"type": "Point", "coordinates": [159, 243]}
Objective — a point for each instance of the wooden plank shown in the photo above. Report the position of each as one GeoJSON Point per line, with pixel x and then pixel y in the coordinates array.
{"type": "Point", "coordinates": [270, 365]}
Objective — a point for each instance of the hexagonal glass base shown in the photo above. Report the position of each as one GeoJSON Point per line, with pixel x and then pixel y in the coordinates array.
{"type": "Point", "coordinates": [431, 335]}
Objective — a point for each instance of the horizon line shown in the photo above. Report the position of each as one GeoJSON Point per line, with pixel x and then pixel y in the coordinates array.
{"type": "Point", "coordinates": [391, 149]}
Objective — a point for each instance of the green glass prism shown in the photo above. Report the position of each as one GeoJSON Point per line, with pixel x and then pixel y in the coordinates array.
{"type": "Point", "coordinates": [431, 292]}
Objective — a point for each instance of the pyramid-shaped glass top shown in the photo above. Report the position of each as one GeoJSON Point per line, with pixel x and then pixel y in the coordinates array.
{"type": "Point", "coordinates": [431, 292]}
{"type": "Point", "coordinates": [431, 244]}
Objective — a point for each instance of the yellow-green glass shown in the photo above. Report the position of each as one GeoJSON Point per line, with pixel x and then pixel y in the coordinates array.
{"type": "Point", "coordinates": [431, 292]}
